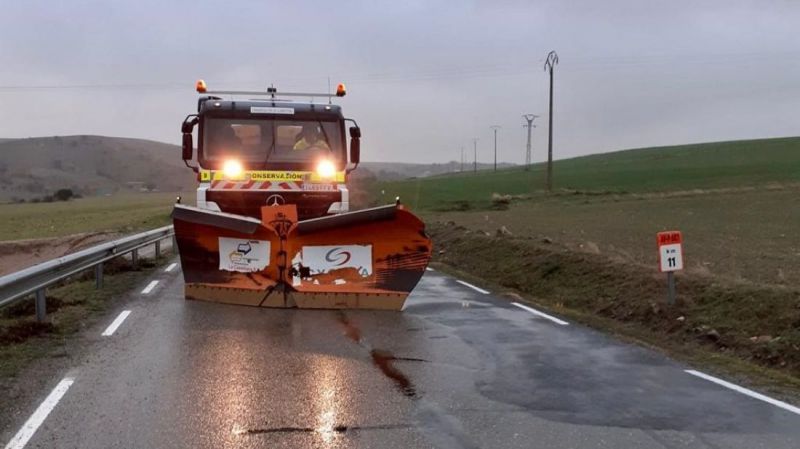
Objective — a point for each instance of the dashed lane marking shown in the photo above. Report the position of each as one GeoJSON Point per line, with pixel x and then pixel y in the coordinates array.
{"type": "Point", "coordinates": [149, 287]}
{"type": "Point", "coordinates": [745, 391]}
{"type": "Point", "coordinates": [32, 424]}
{"type": "Point", "coordinates": [540, 314]}
{"type": "Point", "coordinates": [171, 267]}
{"type": "Point", "coordinates": [477, 289]}
{"type": "Point", "coordinates": [116, 323]}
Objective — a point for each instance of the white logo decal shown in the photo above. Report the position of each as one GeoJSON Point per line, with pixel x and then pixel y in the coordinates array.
{"type": "Point", "coordinates": [322, 259]}
{"type": "Point", "coordinates": [243, 255]}
{"type": "Point", "coordinates": [275, 200]}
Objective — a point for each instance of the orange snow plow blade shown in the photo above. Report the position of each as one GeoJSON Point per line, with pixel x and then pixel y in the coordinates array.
{"type": "Point", "coordinates": [368, 259]}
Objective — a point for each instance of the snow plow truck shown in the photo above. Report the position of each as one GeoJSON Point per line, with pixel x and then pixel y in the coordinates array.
{"type": "Point", "coordinates": [272, 225]}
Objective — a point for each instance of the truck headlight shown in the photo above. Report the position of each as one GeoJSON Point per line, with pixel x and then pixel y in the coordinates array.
{"type": "Point", "coordinates": [326, 169]}
{"type": "Point", "coordinates": [232, 169]}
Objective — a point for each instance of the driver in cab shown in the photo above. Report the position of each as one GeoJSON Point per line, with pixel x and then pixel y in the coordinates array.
{"type": "Point", "coordinates": [311, 138]}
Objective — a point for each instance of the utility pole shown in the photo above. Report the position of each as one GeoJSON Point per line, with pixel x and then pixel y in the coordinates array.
{"type": "Point", "coordinates": [552, 61]}
{"type": "Point", "coordinates": [495, 128]}
{"type": "Point", "coordinates": [462, 158]}
{"type": "Point", "coordinates": [529, 118]}
{"type": "Point", "coordinates": [475, 149]}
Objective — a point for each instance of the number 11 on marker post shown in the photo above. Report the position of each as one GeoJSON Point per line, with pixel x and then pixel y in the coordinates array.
{"type": "Point", "coordinates": [670, 258]}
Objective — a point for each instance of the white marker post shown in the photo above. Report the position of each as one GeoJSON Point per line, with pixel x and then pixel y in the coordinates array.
{"type": "Point", "coordinates": [670, 258]}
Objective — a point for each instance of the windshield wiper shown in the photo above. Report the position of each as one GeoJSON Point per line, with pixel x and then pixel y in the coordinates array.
{"type": "Point", "coordinates": [272, 146]}
{"type": "Point", "coordinates": [325, 135]}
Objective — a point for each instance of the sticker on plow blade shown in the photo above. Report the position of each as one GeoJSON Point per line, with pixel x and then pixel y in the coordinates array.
{"type": "Point", "coordinates": [243, 255]}
{"type": "Point", "coordinates": [324, 259]}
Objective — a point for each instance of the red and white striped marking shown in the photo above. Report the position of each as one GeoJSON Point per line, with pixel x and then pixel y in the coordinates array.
{"type": "Point", "coordinates": [256, 185]}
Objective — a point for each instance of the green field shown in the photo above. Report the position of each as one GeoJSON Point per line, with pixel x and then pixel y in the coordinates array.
{"type": "Point", "coordinates": [738, 204]}
{"type": "Point", "coordinates": [720, 165]}
{"type": "Point", "coordinates": [124, 213]}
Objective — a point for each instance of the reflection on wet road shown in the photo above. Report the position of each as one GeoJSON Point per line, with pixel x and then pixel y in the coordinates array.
{"type": "Point", "coordinates": [456, 369]}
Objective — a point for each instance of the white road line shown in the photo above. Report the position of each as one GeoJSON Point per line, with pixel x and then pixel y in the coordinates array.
{"type": "Point", "coordinates": [745, 391]}
{"type": "Point", "coordinates": [541, 314]}
{"type": "Point", "coordinates": [429, 269]}
{"type": "Point", "coordinates": [171, 267]}
{"type": "Point", "coordinates": [32, 424]}
{"type": "Point", "coordinates": [116, 323]}
{"type": "Point", "coordinates": [149, 287]}
{"type": "Point", "coordinates": [477, 289]}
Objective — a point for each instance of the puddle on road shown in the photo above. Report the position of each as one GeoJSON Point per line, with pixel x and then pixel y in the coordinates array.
{"type": "Point", "coordinates": [382, 359]}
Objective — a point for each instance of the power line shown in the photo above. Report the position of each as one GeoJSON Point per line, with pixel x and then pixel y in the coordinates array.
{"type": "Point", "coordinates": [466, 72]}
{"type": "Point", "coordinates": [97, 86]}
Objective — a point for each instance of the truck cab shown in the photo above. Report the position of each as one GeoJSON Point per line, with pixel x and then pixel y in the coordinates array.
{"type": "Point", "coordinates": [262, 151]}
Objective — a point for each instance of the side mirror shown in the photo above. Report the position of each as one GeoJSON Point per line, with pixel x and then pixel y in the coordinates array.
{"type": "Point", "coordinates": [188, 147]}
{"type": "Point", "coordinates": [355, 144]}
{"type": "Point", "coordinates": [186, 128]}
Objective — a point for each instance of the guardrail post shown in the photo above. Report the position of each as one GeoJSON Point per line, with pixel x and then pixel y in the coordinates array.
{"type": "Point", "coordinates": [41, 305]}
{"type": "Point", "coordinates": [174, 244]}
{"type": "Point", "coordinates": [158, 248]}
{"type": "Point", "coordinates": [135, 257]}
{"type": "Point", "coordinates": [98, 275]}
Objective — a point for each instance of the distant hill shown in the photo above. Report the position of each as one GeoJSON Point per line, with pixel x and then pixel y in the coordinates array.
{"type": "Point", "coordinates": [400, 170]}
{"type": "Point", "coordinates": [96, 165]}
{"type": "Point", "coordinates": [89, 165]}
{"type": "Point", "coordinates": [716, 165]}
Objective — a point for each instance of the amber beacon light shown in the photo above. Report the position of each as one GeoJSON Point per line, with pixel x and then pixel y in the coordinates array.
{"type": "Point", "coordinates": [200, 86]}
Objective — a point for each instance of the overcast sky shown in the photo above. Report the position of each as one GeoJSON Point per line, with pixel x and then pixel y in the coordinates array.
{"type": "Point", "coordinates": [423, 77]}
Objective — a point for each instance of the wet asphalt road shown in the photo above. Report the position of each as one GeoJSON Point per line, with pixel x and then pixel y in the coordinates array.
{"type": "Point", "coordinates": [456, 369]}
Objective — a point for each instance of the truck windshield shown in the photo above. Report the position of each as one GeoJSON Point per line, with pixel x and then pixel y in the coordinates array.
{"type": "Point", "coordinates": [271, 141]}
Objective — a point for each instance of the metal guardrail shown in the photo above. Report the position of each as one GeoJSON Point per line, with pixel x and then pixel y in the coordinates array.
{"type": "Point", "coordinates": [17, 286]}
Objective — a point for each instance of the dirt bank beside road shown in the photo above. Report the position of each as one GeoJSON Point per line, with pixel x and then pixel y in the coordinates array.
{"type": "Point", "coordinates": [18, 254]}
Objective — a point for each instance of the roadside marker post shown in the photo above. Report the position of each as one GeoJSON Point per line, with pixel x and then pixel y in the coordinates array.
{"type": "Point", "coordinates": [670, 258]}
